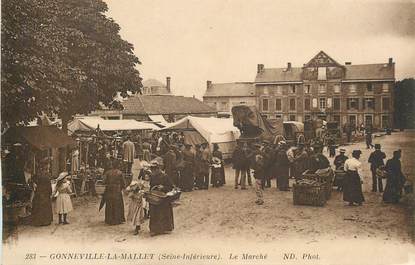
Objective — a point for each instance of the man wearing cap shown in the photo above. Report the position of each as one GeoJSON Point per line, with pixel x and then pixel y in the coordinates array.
{"type": "Point", "coordinates": [187, 176]}
{"type": "Point", "coordinates": [282, 165]}
{"type": "Point", "coordinates": [376, 160]}
{"type": "Point", "coordinates": [339, 164]}
{"type": "Point", "coordinates": [240, 164]}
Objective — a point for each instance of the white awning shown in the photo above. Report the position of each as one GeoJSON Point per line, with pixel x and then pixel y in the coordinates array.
{"type": "Point", "coordinates": [158, 119]}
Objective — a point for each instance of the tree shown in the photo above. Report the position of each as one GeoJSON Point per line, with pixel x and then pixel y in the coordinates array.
{"type": "Point", "coordinates": [404, 103]}
{"type": "Point", "coordinates": [62, 57]}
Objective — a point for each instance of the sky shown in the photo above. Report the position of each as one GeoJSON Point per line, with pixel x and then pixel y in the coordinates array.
{"type": "Point", "coordinates": [193, 41]}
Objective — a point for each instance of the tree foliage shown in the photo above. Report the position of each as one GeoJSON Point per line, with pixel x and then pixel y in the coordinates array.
{"type": "Point", "coordinates": [62, 57]}
{"type": "Point", "coordinates": [405, 103]}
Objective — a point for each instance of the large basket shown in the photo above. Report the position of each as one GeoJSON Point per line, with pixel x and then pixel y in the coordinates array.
{"type": "Point", "coordinates": [325, 179]}
{"type": "Point", "coordinates": [155, 197]}
{"type": "Point", "coordinates": [312, 195]}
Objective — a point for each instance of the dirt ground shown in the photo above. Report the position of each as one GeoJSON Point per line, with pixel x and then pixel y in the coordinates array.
{"type": "Point", "coordinates": [226, 213]}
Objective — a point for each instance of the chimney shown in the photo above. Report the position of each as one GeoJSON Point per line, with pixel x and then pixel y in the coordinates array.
{"type": "Point", "coordinates": [208, 84]}
{"type": "Point", "coordinates": [390, 61]}
{"type": "Point", "coordinates": [168, 84]}
{"type": "Point", "coordinates": [260, 68]}
{"type": "Point", "coordinates": [288, 66]}
{"type": "Point", "coordinates": [348, 63]}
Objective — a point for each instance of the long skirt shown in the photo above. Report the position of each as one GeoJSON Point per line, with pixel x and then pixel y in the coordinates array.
{"type": "Point", "coordinates": [393, 191]}
{"type": "Point", "coordinates": [352, 188]}
{"type": "Point", "coordinates": [216, 179]}
{"type": "Point", "coordinates": [41, 209]}
{"type": "Point", "coordinates": [63, 203]}
{"type": "Point", "coordinates": [186, 178]}
{"type": "Point", "coordinates": [114, 207]}
{"type": "Point", "coordinates": [135, 214]}
{"type": "Point", "coordinates": [161, 218]}
{"type": "Point", "coordinates": [282, 182]}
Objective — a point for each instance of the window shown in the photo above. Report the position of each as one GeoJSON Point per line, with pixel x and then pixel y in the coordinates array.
{"type": "Point", "coordinates": [307, 104]}
{"type": "Point", "coordinates": [370, 103]}
{"type": "Point", "coordinates": [292, 103]}
{"type": "Point", "coordinates": [307, 117]}
{"type": "Point", "coordinates": [322, 103]}
{"type": "Point", "coordinates": [322, 73]}
{"type": "Point", "coordinates": [368, 120]}
{"type": "Point", "coordinates": [292, 89]}
{"type": "Point", "coordinates": [336, 88]}
{"type": "Point", "coordinates": [385, 121]}
{"type": "Point", "coordinates": [278, 105]}
{"type": "Point", "coordinates": [224, 106]}
{"type": "Point", "coordinates": [336, 118]}
{"type": "Point", "coordinates": [292, 117]}
{"type": "Point", "coordinates": [265, 104]}
{"type": "Point", "coordinates": [352, 88]}
{"type": "Point", "coordinates": [336, 103]}
{"type": "Point", "coordinates": [278, 116]}
{"type": "Point", "coordinates": [266, 92]}
{"type": "Point", "coordinates": [307, 89]}
{"type": "Point", "coordinates": [352, 103]}
{"type": "Point", "coordinates": [369, 87]}
{"type": "Point", "coordinates": [322, 89]}
{"type": "Point", "coordinates": [385, 88]}
{"type": "Point", "coordinates": [385, 103]}
{"type": "Point", "coordinates": [278, 90]}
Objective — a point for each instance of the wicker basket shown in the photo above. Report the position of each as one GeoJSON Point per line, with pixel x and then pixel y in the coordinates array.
{"type": "Point", "coordinates": [325, 180]}
{"type": "Point", "coordinates": [312, 195]}
{"type": "Point", "coordinates": [155, 197]}
{"type": "Point", "coordinates": [99, 187]}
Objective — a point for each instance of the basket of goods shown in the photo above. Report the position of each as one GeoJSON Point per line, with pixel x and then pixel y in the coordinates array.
{"type": "Point", "coordinates": [324, 176]}
{"type": "Point", "coordinates": [381, 172]}
{"type": "Point", "coordinates": [99, 187]}
{"type": "Point", "coordinates": [155, 196]}
{"type": "Point", "coordinates": [174, 194]}
{"type": "Point", "coordinates": [309, 192]}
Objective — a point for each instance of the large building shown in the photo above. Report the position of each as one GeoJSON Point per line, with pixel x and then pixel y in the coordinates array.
{"type": "Point", "coordinates": [324, 88]}
{"type": "Point", "coordinates": [223, 96]}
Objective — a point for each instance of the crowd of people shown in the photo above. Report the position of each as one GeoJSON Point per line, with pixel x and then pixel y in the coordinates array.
{"type": "Point", "coordinates": [167, 162]}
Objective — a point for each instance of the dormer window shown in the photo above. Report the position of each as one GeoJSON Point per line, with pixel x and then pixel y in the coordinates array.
{"type": "Point", "coordinates": [322, 73]}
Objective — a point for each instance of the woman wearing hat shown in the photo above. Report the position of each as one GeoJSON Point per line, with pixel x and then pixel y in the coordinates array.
{"type": "Point", "coordinates": [42, 206]}
{"type": "Point", "coordinates": [63, 203]}
{"type": "Point", "coordinates": [395, 179]}
{"type": "Point", "coordinates": [114, 203]}
{"type": "Point", "coordinates": [161, 216]}
{"type": "Point", "coordinates": [352, 183]}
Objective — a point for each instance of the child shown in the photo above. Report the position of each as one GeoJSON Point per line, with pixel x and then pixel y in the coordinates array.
{"type": "Point", "coordinates": [63, 204]}
{"type": "Point", "coordinates": [136, 214]}
{"type": "Point", "coordinates": [259, 178]}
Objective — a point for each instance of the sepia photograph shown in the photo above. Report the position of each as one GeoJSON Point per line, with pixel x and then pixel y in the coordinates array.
{"type": "Point", "coordinates": [266, 132]}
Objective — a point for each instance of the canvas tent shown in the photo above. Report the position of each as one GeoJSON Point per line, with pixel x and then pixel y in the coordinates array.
{"type": "Point", "coordinates": [210, 130]}
{"type": "Point", "coordinates": [91, 123]}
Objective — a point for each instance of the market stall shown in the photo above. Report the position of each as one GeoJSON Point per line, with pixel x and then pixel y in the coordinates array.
{"type": "Point", "coordinates": [210, 130]}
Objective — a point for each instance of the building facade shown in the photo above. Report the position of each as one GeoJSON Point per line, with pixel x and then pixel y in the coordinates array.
{"type": "Point", "coordinates": [323, 88]}
{"type": "Point", "coordinates": [223, 96]}
{"type": "Point", "coordinates": [155, 87]}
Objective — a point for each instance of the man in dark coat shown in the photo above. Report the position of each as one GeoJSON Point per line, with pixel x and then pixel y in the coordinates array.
{"type": "Point", "coordinates": [240, 164]}
{"type": "Point", "coordinates": [268, 159]}
{"type": "Point", "coordinates": [205, 164]}
{"type": "Point", "coordinates": [169, 160]}
{"type": "Point", "coordinates": [340, 159]}
{"type": "Point", "coordinates": [318, 160]}
{"type": "Point", "coordinates": [282, 165]}
{"type": "Point", "coordinates": [395, 179]}
{"type": "Point", "coordinates": [376, 160]}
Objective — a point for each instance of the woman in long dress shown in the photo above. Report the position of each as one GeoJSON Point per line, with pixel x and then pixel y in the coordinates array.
{"type": "Point", "coordinates": [42, 213]}
{"type": "Point", "coordinates": [395, 179]}
{"type": "Point", "coordinates": [63, 204]}
{"type": "Point", "coordinates": [114, 203]}
{"type": "Point", "coordinates": [161, 216]}
{"type": "Point", "coordinates": [352, 183]}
